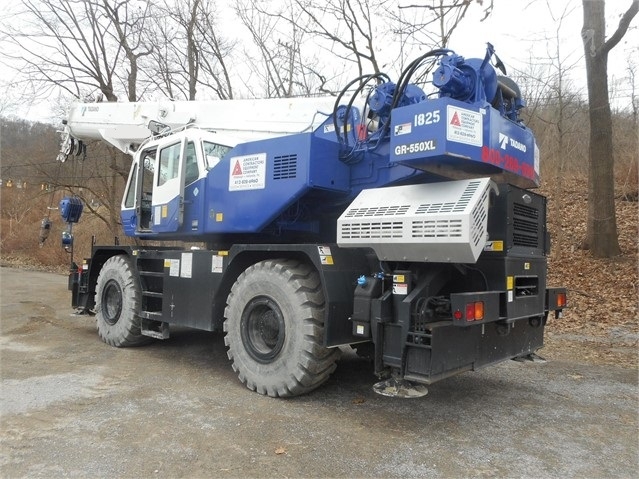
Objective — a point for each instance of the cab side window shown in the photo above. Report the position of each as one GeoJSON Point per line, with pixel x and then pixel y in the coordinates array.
{"type": "Point", "coordinates": [169, 163]}
{"type": "Point", "coordinates": [129, 202]}
{"type": "Point", "coordinates": [145, 167]}
{"type": "Point", "coordinates": [148, 168]}
{"type": "Point", "coordinates": [213, 152]}
{"type": "Point", "coordinates": [192, 170]}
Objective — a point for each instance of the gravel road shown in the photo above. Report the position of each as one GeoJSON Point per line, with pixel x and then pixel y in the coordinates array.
{"type": "Point", "coordinates": [71, 406]}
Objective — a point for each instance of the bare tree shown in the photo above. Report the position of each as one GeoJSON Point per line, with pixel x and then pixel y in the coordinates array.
{"type": "Point", "coordinates": [556, 109]}
{"type": "Point", "coordinates": [129, 25]}
{"type": "Point", "coordinates": [77, 46]}
{"type": "Point", "coordinates": [81, 48]}
{"type": "Point", "coordinates": [564, 98]}
{"type": "Point", "coordinates": [634, 105]}
{"type": "Point", "coordinates": [349, 27]}
{"type": "Point", "coordinates": [281, 59]}
{"type": "Point", "coordinates": [174, 65]}
{"type": "Point", "coordinates": [601, 235]}
{"type": "Point", "coordinates": [190, 51]}
{"type": "Point", "coordinates": [358, 32]}
{"type": "Point", "coordinates": [442, 19]}
{"type": "Point", "coordinates": [216, 50]}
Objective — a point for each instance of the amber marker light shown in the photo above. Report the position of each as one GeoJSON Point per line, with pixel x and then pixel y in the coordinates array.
{"type": "Point", "coordinates": [561, 300]}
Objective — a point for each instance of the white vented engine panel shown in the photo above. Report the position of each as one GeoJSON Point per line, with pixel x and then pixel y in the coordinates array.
{"type": "Point", "coordinates": [438, 222]}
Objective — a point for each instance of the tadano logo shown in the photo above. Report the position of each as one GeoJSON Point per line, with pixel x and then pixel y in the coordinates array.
{"type": "Point", "coordinates": [503, 141]}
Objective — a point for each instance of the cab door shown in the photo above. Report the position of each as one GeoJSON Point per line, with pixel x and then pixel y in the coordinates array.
{"type": "Point", "coordinates": [167, 203]}
{"type": "Point", "coordinates": [136, 207]}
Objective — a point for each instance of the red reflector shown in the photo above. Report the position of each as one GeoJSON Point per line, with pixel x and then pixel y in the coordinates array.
{"type": "Point", "coordinates": [470, 311]}
{"type": "Point", "coordinates": [458, 315]}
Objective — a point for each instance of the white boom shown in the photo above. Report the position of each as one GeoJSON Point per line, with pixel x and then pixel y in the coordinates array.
{"type": "Point", "coordinates": [126, 125]}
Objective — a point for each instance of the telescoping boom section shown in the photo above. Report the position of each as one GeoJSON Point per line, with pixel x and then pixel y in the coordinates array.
{"type": "Point", "coordinates": [395, 218]}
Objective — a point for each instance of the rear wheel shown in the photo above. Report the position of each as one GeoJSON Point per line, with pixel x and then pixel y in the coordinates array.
{"type": "Point", "coordinates": [117, 302]}
{"type": "Point", "coordinates": [275, 329]}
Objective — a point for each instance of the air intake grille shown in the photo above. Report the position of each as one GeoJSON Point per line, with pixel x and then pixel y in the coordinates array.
{"type": "Point", "coordinates": [285, 167]}
{"type": "Point", "coordinates": [525, 226]}
{"type": "Point", "coordinates": [450, 207]}
{"type": "Point", "coordinates": [437, 228]}
{"type": "Point", "coordinates": [372, 230]}
{"type": "Point", "coordinates": [395, 210]}
{"type": "Point", "coordinates": [527, 211]}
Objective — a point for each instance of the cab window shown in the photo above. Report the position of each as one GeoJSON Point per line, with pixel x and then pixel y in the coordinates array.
{"type": "Point", "coordinates": [192, 170]}
{"type": "Point", "coordinates": [129, 201]}
{"type": "Point", "coordinates": [169, 163]}
{"type": "Point", "coordinates": [213, 152]}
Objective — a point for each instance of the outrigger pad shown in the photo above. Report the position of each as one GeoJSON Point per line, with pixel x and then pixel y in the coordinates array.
{"type": "Point", "coordinates": [532, 357]}
{"type": "Point", "coordinates": [400, 388]}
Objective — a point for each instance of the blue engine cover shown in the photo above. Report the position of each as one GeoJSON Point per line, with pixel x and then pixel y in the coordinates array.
{"type": "Point", "coordinates": [257, 181]}
{"type": "Point", "coordinates": [454, 139]}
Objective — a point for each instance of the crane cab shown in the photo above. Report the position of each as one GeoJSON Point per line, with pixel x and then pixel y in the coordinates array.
{"type": "Point", "coordinates": [165, 190]}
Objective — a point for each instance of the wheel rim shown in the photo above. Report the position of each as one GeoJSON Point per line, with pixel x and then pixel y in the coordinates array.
{"type": "Point", "coordinates": [263, 329]}
{"type": "Point", "coordinates": [112, 302]}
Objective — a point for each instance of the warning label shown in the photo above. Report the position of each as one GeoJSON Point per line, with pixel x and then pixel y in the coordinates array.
{"type": "Point", "coordinates": [464, 126]}
{"type": "Point", "coordinates": [325, 254]}
{"type": "Point", "coordinates": [247, 172]}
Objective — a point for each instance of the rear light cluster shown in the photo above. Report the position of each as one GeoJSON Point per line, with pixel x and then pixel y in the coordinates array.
{"type": "Point", "coordinates": [561, 300]}
{"type": "Point", "coordinates": [473, 312]}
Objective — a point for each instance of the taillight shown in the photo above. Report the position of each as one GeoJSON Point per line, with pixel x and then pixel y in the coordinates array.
{"type": "Point", "coordinates": [471, 308]}
{"type": "Point", "coordinates": [474, 311]}
{"type": "Point", "coordinates": [470, 311]}
{"type": "Point", "coordinates": [561, 300]}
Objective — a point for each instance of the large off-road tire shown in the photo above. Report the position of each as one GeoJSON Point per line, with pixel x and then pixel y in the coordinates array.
{"type": "Point", "coordinates": [275, 329]}
{"type": "Point", "coordinates": [117, 302]}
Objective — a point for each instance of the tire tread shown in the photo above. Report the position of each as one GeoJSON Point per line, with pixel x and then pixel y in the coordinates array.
{"type": "Point", "coordinates": [314, 363]}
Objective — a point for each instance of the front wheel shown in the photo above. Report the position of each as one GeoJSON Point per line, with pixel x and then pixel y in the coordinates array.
{"type": "Point", "coordinates": [117, 302]}
{"type": "Point", "coordinates": [275, 329]}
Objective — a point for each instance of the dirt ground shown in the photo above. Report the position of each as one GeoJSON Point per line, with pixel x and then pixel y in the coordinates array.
{"type": "Point", "coordinates": [72, 406]}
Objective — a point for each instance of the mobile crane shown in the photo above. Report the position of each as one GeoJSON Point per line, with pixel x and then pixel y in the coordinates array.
{"type": "Point", "coordinates": [398, 222]}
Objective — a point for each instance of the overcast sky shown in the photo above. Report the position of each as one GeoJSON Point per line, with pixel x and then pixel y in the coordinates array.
{"type": "Point", "coordinates": [523, 29]}
{"type": "Point", "coordinates": [520, 30]}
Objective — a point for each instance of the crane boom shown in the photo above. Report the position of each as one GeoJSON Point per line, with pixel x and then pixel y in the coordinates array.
{"type": "Point", "coordinates": [127, 124]}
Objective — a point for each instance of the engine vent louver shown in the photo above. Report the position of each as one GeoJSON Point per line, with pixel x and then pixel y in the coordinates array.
{"type": "Point", "coordinates": [378, 211]}
{"type": "Point", "coordinates": [438, 222]}
{"type": "Point", "coordinates": [525, 226]}
{"type": "Point", "coordinates": [285, 167]}
{"type": "Point", "coordinates": [368, 230]}
{"type": "Point", "coordinates": [437, 229]}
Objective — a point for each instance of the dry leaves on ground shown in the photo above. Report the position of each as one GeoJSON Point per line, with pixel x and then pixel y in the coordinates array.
{"type": "Point", "coordinates": [602, 293]}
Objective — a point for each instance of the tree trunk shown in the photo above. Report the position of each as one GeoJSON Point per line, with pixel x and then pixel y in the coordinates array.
{"type": "Point", "coordinates": [601, 235]}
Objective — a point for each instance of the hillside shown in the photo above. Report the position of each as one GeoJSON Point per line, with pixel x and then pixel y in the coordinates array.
{"type": "Point", "coordinates": [602, 321]}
